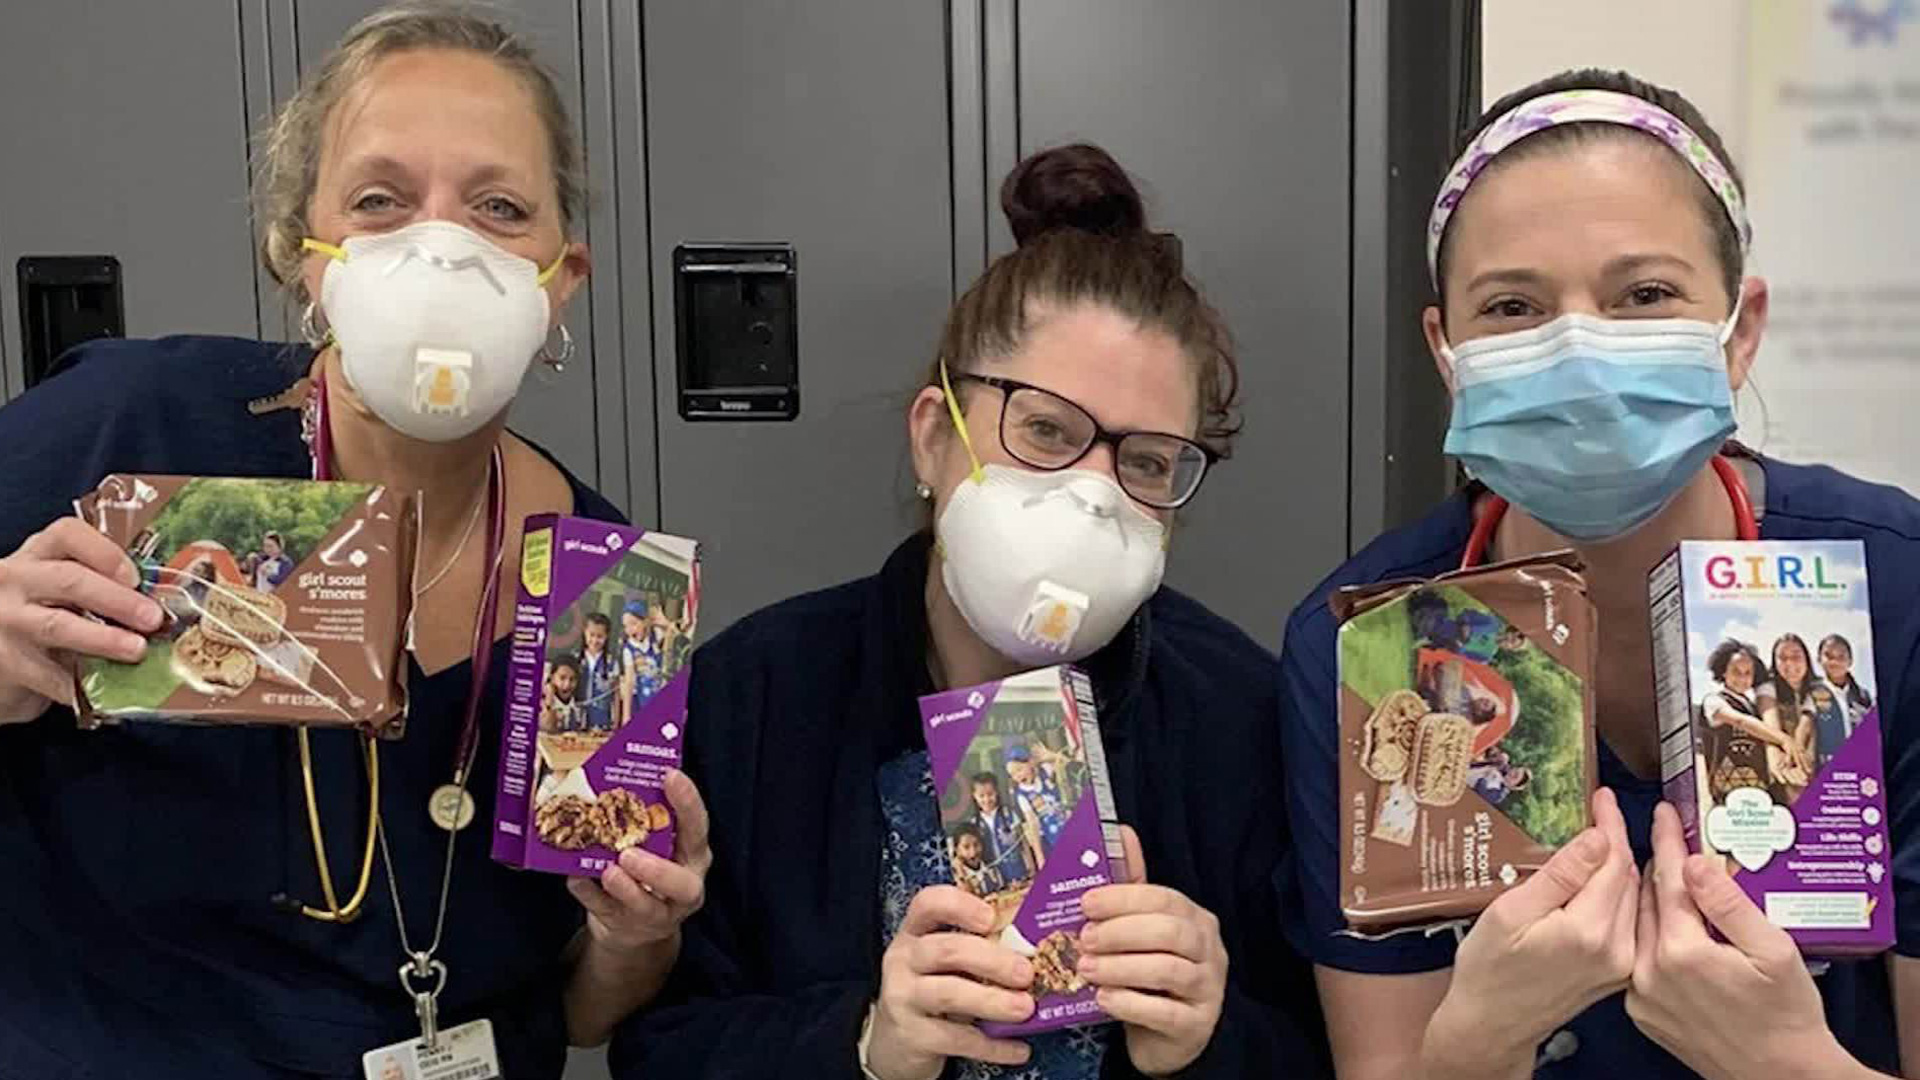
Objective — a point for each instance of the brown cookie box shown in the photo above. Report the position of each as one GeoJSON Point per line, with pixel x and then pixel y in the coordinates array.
{"type": "Point", "coordinates": [1419, 845]}
{"type": "Point", "coordinates": [323, 645]}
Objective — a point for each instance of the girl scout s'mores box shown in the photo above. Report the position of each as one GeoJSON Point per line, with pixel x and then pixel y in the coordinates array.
{"type": "Point", "coordinates": [1466, 737]}
{"type": "Point", "coordinates": [596, 694]}
{"type": "Point", "coordinates": [285, 602]}
{"type": "Point", "coordinates": [1030, 824]}
{"type": "Point", "coordinates": [1770, 731]}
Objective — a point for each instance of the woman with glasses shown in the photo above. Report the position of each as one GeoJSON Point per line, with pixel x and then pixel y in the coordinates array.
{"type": "Point", "coordinates": [1083, 388]}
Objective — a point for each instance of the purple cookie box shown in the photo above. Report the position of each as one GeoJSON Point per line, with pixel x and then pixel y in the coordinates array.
{"type": "Point", "coordinates": [951, 721]}
{"type": "Point", "coordinates": [638, 755]}
{"type": "Point", "coordinates": [1841, 848]}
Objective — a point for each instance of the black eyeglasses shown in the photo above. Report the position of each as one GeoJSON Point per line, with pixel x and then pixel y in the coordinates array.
{"type": "Point", "coordinates": [1042, 430]}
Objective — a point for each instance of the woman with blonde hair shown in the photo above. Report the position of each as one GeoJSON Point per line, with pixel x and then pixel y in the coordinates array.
{"type": "Point", "coordinates": [184, 902]}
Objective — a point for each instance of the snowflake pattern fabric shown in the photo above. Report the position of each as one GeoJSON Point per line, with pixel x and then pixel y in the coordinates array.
{"type": "Point", "coordinates": [913, 857]}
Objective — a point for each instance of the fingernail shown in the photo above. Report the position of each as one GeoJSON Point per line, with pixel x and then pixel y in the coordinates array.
{"type": "Point", "coordinates": [1088, 937]}
{"type": "Point", "coordinates": [1088, 966]}
{"type": "Point", "coordinates": [133, 648]}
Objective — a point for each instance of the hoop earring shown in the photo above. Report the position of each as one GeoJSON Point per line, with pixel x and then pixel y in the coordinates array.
{"type": "Point", "coordinates": [556, 359]}
{"type": "Point", "coordinates": [310, 329]}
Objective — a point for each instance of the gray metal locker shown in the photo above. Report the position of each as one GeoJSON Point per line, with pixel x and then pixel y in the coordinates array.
{"type": "Point", "coordinates": [124, 137]}
{"type": "Point", "coordinates": [579, 414]}
{"type": "Point", "coordinates": [822, 124]}
{"type": "Point", "coordinates": [1234, 115]}
{"type": "Point", "coordinates": [1292, 145]}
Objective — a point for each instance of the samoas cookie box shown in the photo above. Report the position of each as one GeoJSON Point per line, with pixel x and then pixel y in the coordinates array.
{"type": "Point", "coordinates": [596, 694]}
{"type": "Point", "coordinates": [1770, 731]}
{"type": "Point", "coordinates": [1029, 818]}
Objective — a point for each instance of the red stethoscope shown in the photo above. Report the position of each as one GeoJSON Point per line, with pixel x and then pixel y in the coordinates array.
{"type": "Point", "coordinates": [1493, 508]}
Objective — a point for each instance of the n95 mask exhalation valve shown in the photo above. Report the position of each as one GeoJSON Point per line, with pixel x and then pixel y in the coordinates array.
{"type": "Point", "coordinates": [436, 325]}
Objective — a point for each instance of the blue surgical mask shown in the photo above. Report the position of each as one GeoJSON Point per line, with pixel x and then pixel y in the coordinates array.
{"type": "Point", "coordinates": [1591, 426]}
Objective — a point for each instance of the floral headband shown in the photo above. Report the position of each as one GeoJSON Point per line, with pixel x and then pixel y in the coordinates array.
{"type": "Point", "coordinates": [1579, 107]}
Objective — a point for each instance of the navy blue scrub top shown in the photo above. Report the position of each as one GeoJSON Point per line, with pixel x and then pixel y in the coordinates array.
{"type": "Point", "coordinates": [136, 863]}
{"type": "Point", "coordinates": [1801, 503]}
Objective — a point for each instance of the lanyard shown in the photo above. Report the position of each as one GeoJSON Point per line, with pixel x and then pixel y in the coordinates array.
{"type": "Point", "coordinates": [422, 976]}
{"type": "Point", "coordinates": [1494, 508]}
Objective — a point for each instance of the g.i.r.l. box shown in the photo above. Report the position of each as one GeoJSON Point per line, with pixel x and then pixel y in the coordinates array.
{"type": "Point", "coordinates": [1770, 731]}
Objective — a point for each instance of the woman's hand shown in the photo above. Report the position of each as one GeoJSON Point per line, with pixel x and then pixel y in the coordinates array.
{"type": "Point", "coordinates": [1740, 1008]}
{"type": "Point", "coordinates": [936, 979]}
{"type": "Point", "coordinates": [47, 587]}
{"type": "Point", "coordinates": [634, 914]}
{"type": "Point", "coordinates": [1541, 953]}
{"type": "Point", "coordinates": [1160, 965]}
{"type": "Point", "coordinates": [642, 899]}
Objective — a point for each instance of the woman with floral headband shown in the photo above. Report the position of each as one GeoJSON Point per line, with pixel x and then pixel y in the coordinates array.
{"type": "Point", "coordinates": [1593, 320]}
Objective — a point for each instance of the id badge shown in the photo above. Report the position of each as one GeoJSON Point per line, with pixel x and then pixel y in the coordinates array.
{"type": "Point", "coordinates": [465, 1053]}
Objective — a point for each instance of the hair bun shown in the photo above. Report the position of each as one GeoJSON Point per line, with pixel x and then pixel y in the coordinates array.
{"type": "Point", "coordinates": [1071, 187]}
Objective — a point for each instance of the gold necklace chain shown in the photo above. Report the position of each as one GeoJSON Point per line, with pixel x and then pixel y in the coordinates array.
{"type": "Point", "coordinates": [472, 520]}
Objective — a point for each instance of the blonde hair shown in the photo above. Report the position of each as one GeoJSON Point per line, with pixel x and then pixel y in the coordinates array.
{"type": "Point", "coordinates": [288, 163]}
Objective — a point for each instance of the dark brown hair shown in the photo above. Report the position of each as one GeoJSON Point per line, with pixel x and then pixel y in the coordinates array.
{"type": "Point", "coordinates": [1082, 229]}
{"type": "Point", "coordinates": [1724, 654]}
{"type": "Point", "coordinates": [1726, 240]}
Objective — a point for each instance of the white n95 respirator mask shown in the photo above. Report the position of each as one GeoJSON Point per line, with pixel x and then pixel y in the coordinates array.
{"type": "Point", "coordinates": [436, 324]}
{"type": "Point", "coordinates": [1047, 567]}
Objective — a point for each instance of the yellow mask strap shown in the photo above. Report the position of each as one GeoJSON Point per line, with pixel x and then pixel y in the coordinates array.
{"type": "Point", "coordinates": [960, 422]}
{"type": "Point", "coordinates": [334, 251]}
{"type": "Point", "coordinates": [547, 274]}
{"type": "Point", "coordinates": [331, 251]}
